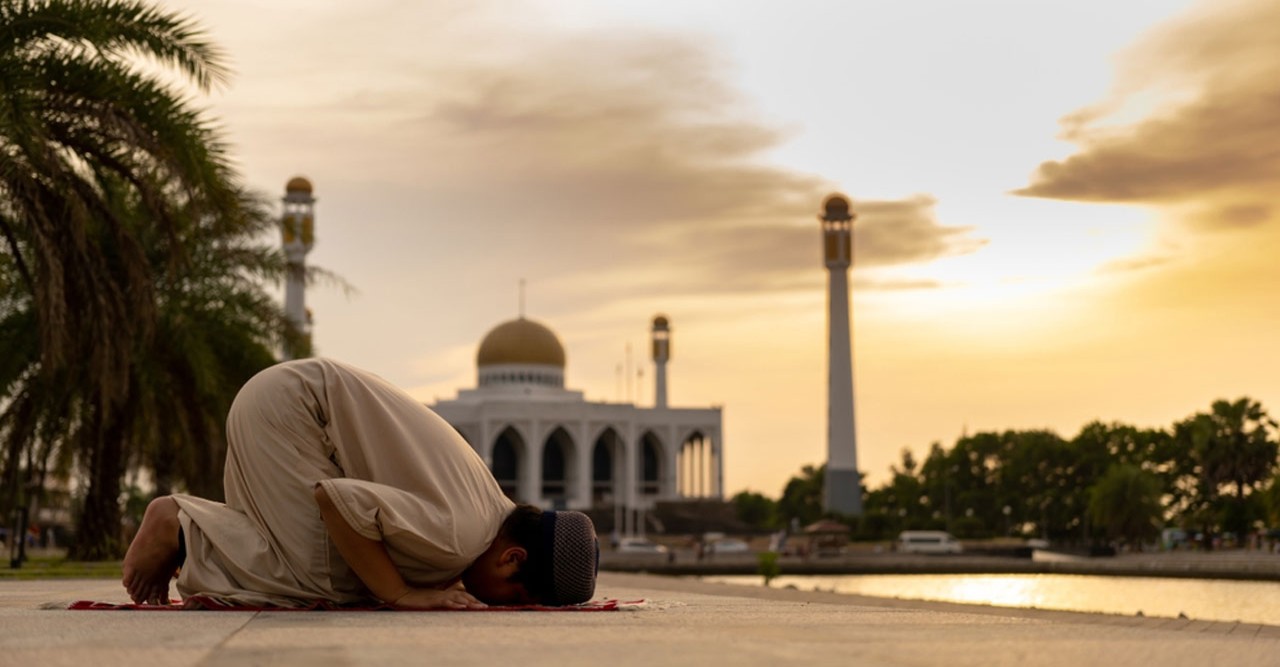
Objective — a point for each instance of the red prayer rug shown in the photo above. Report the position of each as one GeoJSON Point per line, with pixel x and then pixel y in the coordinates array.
{"type": "Point", "coordinates": [204, 603]}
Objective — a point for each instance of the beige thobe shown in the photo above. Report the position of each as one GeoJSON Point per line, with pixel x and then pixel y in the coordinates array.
{"type": "Point", "coordinates": [396, 471]}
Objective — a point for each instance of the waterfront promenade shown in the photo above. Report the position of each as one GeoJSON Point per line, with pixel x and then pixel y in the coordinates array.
{"type": "Point", "coordinates": [1225, 564]}
{"type": "Point", "coordinates": [684, 622]}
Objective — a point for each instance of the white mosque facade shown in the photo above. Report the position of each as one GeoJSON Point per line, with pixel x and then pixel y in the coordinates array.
{"type": "Point", "coordinates": [549, 446]}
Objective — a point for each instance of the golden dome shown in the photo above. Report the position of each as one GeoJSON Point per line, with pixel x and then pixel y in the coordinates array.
{"type": "Point", "coordinates": [520, 341]}
{"type": "Point", "coordinates": [298, 184]}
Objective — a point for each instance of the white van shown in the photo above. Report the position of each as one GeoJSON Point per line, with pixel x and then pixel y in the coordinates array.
{"type": "Point", "coordinates": [928, 542]}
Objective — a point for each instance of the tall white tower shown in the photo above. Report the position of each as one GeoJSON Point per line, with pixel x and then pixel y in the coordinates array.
{"type": "Point", "coordinates": [661, 355]}
{"type": "Point", "coordinates": [843, 493]}
{"type": "Point", "coordinates": [297, 232]}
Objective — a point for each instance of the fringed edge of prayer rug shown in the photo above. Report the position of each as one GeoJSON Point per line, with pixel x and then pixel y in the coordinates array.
{"type": "Point", "coordinates": [206, 603]}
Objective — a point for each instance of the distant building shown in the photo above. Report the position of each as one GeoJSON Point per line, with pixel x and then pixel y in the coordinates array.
{"type": "Point", "coordinates": [550, 447]}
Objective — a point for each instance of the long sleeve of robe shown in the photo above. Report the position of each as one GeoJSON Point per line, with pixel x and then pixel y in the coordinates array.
{"type": "Point", "coordinates": [396, 471]}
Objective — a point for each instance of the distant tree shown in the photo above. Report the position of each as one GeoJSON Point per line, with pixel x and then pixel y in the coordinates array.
{"type": "Point", "coordinates": [1035, 477]}
{"type": "Point", "coordinates": [1099, 446]}
{"type": "Point", "coordinates": [756, 510]}
{"type": "Point", "coordinates": [1125, 504]}
{"type": "Point", "coordinates": [802, 496]}
{"type": "Point", "coordinates": [905, 489]}
{"type": "Point", "coordinates": [900, 504]}
{"type": "Point", "coordinates": [935, 483]}
{"type": "Point", "coordinates": [1231, 449]}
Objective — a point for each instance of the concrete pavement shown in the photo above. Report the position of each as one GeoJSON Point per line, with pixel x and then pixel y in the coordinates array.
{"type": "Point", "coordinates": [686, 622]}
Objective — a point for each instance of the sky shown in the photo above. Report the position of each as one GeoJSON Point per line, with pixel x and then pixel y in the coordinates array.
{"type": "Point", "coordinates": [1066, 209]}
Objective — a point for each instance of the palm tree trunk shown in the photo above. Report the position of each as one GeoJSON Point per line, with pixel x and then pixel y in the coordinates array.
{"type": "Point", "coordinates": [98, 532]}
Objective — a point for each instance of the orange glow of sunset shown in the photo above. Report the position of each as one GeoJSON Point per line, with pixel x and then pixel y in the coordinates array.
{"type": "Point", "coordinates": [1066, 210]}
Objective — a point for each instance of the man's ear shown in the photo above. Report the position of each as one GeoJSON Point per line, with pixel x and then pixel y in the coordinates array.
{"type": "Point", "coordinates": [513, 556]}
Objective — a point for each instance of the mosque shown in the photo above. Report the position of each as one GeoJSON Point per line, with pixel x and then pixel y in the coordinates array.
{"type": "Point", "coordinates": [545, 444]}
{"type": "Point", "coordinates": [549, 446]}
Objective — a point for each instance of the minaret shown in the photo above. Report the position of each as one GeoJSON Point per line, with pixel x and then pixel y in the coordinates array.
{"type": "Point", "coordinates": [661, 355]}
{"type": "Point", "coordinates": [843, 494]}
{"type": "Point", "coordinates": [297, 231]}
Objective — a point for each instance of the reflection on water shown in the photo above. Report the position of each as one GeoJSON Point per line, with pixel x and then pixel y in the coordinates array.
{"type": "Point", "coordinates": [1200, 599]}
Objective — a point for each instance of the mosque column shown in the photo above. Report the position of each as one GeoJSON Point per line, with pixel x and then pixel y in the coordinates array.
{"type": "Point", "coordinates": [579, 491]}
{"type": "Point", "coordinates": [630, 454]}
{"type": "Point", "coordinates": [531, 468]}
{"type": "Point", "coordinates": [690, 487]}
{"type": "Point", "coordinates": [700, 449]}
{"type": "Point", "coordinates": [682, 468]}
{"type": "Point", "coordinates": [483, 446]}
{"type": "Point", "coordinates": [691, 460]}
{"type": "Point", "coordinates": [617, 461]}
{"type": "Point", "coordinates": [717, 466]}
{"type": "Point", "coordinates": [668, 481]}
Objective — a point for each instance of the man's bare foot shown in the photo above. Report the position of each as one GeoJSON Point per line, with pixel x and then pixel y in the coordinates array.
{"type": "Point", "coordinates": [152, 558]}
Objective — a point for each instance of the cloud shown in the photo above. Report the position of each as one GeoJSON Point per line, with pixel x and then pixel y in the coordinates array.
{"type": "Point", "coordinates": [643, 132]}
{"type": "Point", "coordinates": [783, 253]}
{"type": "Point", "coordinates": [609, 168]}
{"type": "Point", "coordinates": [1211, 146]}
{"type": "Point", "coordinates": [897, 285]}
{"type": "Point", "coordinates": [906, 231]}
{"type": "Point", "coordinates": [1131, 264]}
{"type": "Point", "coordinates": [1209, 82]}
{"type": "Point", "coordinates": [1243, 215]}
{"type": "Point", "coordinates": [628, 155]}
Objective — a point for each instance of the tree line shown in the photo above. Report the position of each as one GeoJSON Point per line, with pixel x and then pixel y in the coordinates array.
{"type": "Point", "coordinates": [1213, 473]}
{"type": "Point", "coordinates": [133, 263]}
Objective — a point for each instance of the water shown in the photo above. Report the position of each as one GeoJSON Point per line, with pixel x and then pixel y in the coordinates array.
{"type": "Point", "coordinates": [1199, 599]}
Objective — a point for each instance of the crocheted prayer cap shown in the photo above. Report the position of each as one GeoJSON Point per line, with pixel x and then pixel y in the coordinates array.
{"type": "Point", "coordinates": [575, 556]}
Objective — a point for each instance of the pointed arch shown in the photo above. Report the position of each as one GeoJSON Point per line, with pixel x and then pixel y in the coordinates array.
{"type": "Point", "coordinates": [559, 458]}
{"type": "Point", "coordinates": [606, 457]}
{"type": "Point", "coordinates": [509, 452]}
{"type": "Point", "coordinates": [652, 463]}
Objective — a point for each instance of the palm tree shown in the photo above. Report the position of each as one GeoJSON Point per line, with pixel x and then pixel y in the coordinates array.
{"type": "Point", "coordinates": [1229, 447]}
{"type": "Point", "coordinates": [87, 139]}
{"type": "Point", "coordinates": [217, 327]}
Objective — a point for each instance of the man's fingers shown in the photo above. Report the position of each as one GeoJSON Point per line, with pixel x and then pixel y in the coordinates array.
{"type": "Point", "coordinates": [466, 600]}
{"type": "Point", "coordinates": [438, 599]}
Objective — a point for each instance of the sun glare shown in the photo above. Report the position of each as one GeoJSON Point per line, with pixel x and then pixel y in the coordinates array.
{"type": "Point", "coordinates": [1047, 249]}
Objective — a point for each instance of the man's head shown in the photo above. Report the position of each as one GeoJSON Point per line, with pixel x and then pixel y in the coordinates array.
{"type": "Point", "coordinates": [538, 558]}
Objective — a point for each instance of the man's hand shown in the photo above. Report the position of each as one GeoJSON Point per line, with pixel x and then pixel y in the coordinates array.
{"type": "Point", "coordinates": [430, 598]}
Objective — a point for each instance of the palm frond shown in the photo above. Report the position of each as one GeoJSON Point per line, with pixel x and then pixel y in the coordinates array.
{"type": "Point", "coordinates": [115, 29]}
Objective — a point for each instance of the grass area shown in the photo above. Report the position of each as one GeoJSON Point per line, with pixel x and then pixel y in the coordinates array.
{"type": "Point", "coordinates": [58, 567]}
